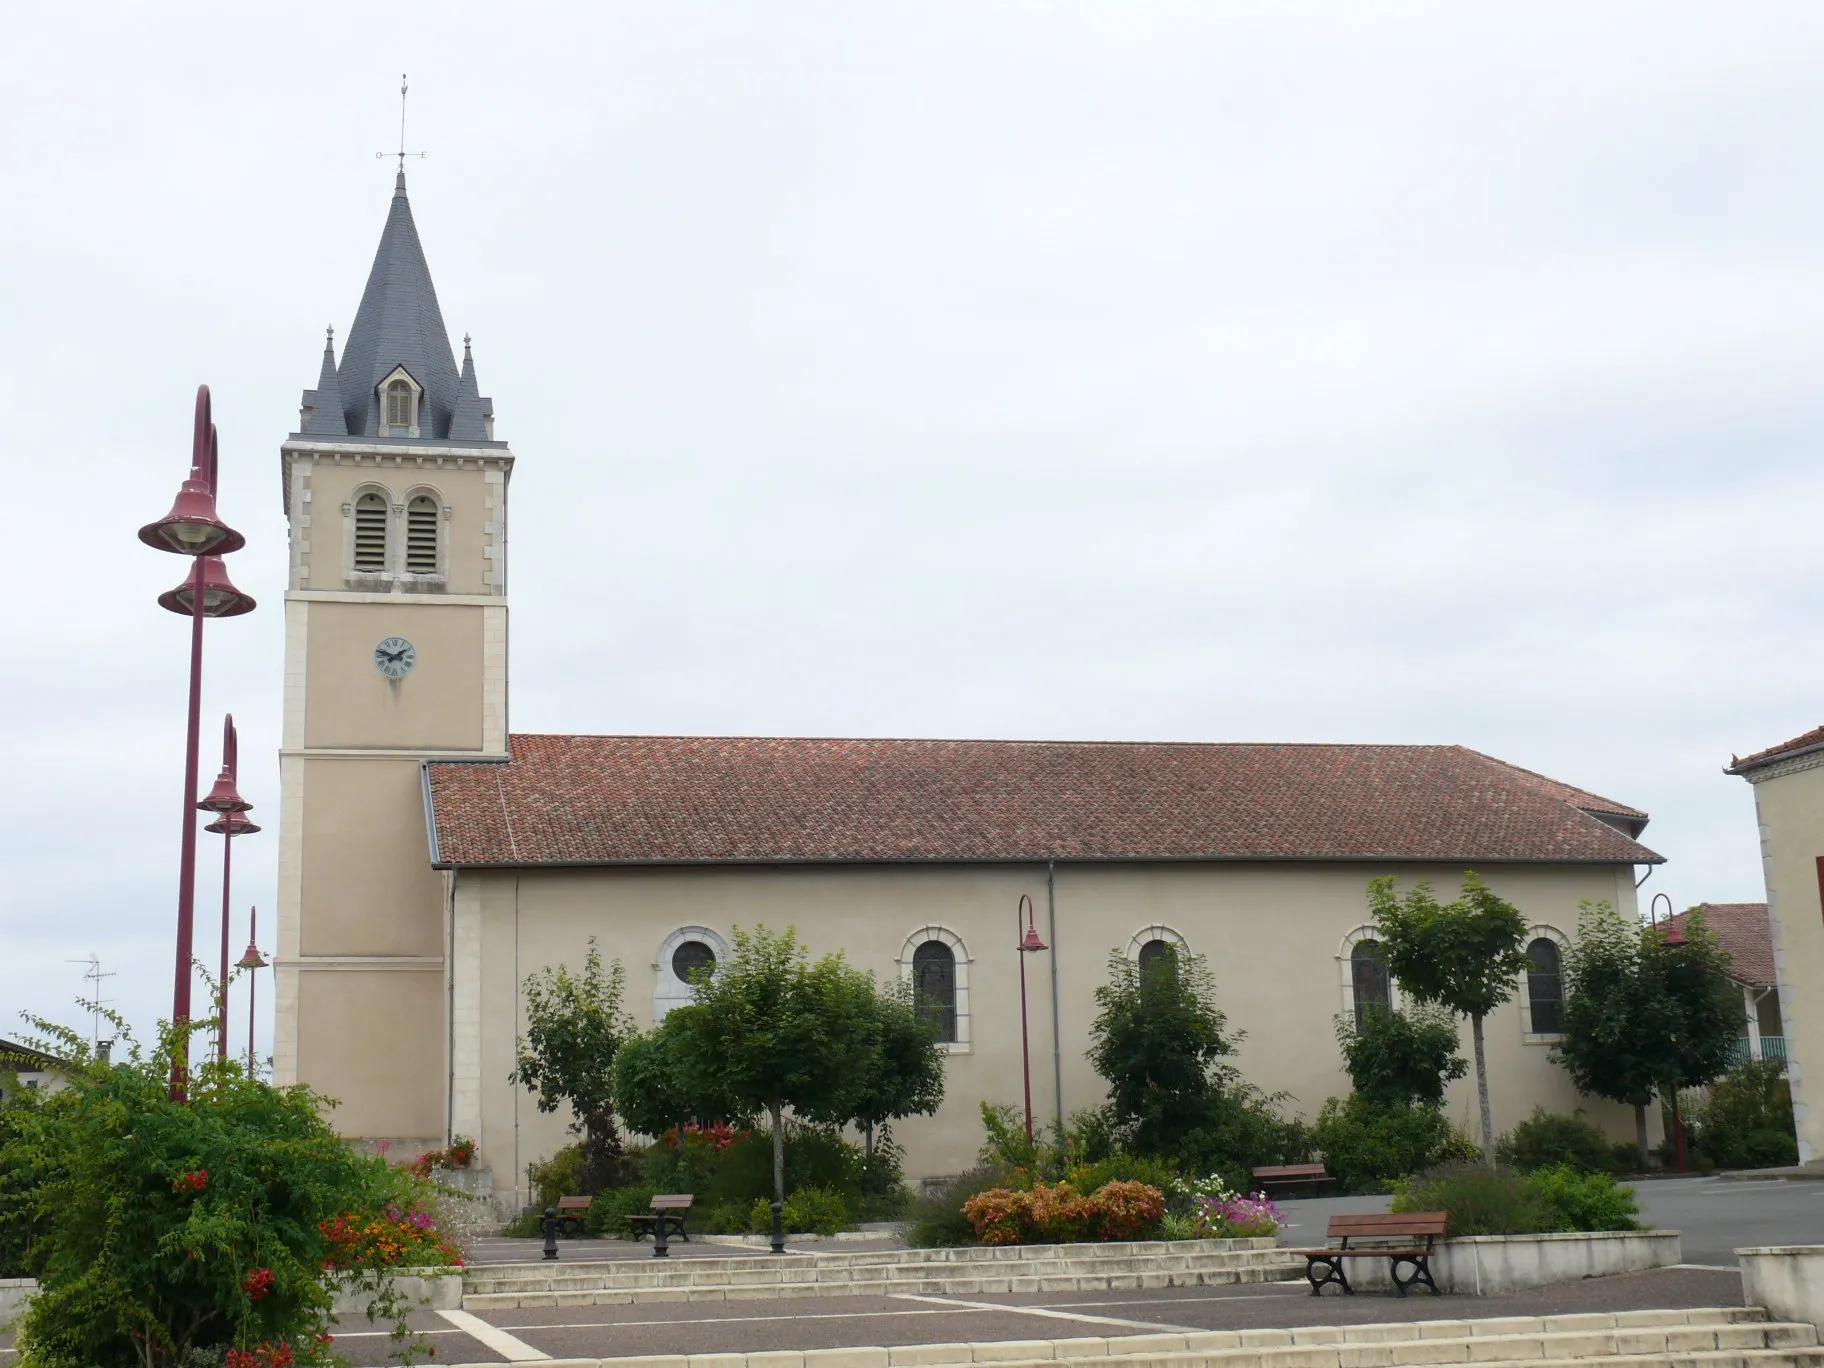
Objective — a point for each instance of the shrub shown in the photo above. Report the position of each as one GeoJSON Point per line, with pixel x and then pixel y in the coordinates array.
{"type": "Point", "coordinates": [1123, 1168]}
{"type": "Point", "coordinates": [559, 1176]}
{"type": "Point", "coordinates": [394, 1237]}
{"type": "Point", "coordinates": [1127, 1210]}
{"type": "Point", "coordinates": [609, 1211]}
{"type": "Point", "coordinates": [1547, 1139]}
{"type": "Point", "coordinates": [808, 1211]}
{"type": "Point", "coordinates": [936, 1219]}
{"type": "Point", "coordinates": [724, 1218]}
{"type": "Point", "coordinates": [1584, 1201]}
{"type": "Point", "coordinates": [1401, 1059]}
{"type": "Point", "coordinates": [815, 1156]}
{"type": "Point", "coordinates": [1367, 1147]}
{"type": "Point", "coordinates": [1480, 1200]}
{"type": "Point", "coordinates": [1624, 1157]}
{"type": "Point", "coordinates": [1746, 1121]}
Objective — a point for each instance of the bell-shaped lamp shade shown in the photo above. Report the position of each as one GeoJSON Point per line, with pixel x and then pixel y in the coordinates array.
{"type": "Point", "coordinates": [1031, 941]}
{"type": "Point", "coordinates": [220, 597]}
{"type": "Point", "coordinates": [1674, 935]}
{"type": "Point", "coordinates": [253, 959]}
{"type": "Point", "coordinates": [237, 822]}
{"type": "Point", "coordinates": [192, 528]}
{"type": "Point", "coordinates": [224, 797]}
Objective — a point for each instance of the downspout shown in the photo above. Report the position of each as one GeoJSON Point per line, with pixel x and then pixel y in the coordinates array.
{"type": "Point", "coordinates": [1057, 1043]}
{"type": "Point", "coordinates": [449, 1057]}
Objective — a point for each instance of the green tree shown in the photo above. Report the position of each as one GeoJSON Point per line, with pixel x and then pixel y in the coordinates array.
{"type": "Point", "coordinates": [1466, 956]}
{"type": "Point", "coordinates": [901, 1071]}
{"type": "Point", "coordinates": [575, 1025]}
{"type": "Point", "coordinates": [1160, 1041]}
{"type": "Point", "coordinates": [651, 1092]}
{"type": "Point", "coordinates": [774, 1030]}
{"type": "Point", "coordinates": [1401, 1059]}
{"type": "Point", "coordinates": [1705, 1004]}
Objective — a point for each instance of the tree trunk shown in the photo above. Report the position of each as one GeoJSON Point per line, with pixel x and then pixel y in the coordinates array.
{"type": "Point", "coordinates": [867, 1143]}
{"type": "Point", "coordinates": [1640, 1132]}
{"type": "Point", "coordinates": [778, 1151]}
{"type": "Point", "coordinates": [1488, 1123]}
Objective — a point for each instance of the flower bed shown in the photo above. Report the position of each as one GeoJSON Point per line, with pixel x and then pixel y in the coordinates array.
{"type": "Point", "coordinates": [392, 1238]}
{"type": "Point", "coordinates": [1056, 1213]}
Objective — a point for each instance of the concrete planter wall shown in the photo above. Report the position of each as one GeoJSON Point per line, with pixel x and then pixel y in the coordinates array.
{"type": "Point", "coordinates": [432, 1290]}
{"type": "Point", "coordinates": [1482, 1265]}
{"type": "Point", "coordinates": [1786, 1279]}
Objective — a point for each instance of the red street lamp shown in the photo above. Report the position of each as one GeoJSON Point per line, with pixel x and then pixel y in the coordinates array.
{"type": "Point", "coordinates": [193, 529]}
{"type": "Point", "coordinates": [1673, 937]}
{"type": "Point", "coordinates": [231, 821]}
{"type": "Point", "coordinates": [250, 961]}
{"type": "Point", "coordinates": [1029, 942]}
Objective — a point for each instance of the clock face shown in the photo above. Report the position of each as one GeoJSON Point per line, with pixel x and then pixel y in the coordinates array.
{"type": "Point", "coordinates": [395, 657]}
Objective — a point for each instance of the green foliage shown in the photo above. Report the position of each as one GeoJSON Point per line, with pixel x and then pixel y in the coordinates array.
{"type": "Point", "coordinates": [936, 1220]}
{"type": "Point", "coordinates": [720, 1218]}
{"type": "Point", "coordinates": [1547, 1139]}
{"type": "Point", "coordinates": [1400, 1059]}
{"type": "Point", "coordinates": [815, 1156]}
{"type": "Point", "coordinates": [559, 1176]}
{"type": "Point", "coordinates": [1367, 1146]}
{"type": "Point", "coordinates": [1160, 1042]}
{"type": "Point", "coordinates": [575, 1024]}
{"type": "Point", "coordinates": [609, 1211]}
{"type": "Point", "coordinates": [808, 1211]}
{"type": "Point", "coordinates": [1485, 1201]}
{"type": "Point", "coordinates": [20, 1226]}
{"type": "Point", "coordinates": [899, 1070]}
{"type": "Point", "coordinates": [773, 1030]}
{"type": "Point", "coordinates": [1641, 1015]}
{"type": "Point", "coordinates": [1746, 1121]}
{"type": "Point", "coordinates": [651, 1093]}
{"type": "Point", "coordinates": [1466, 956]}
{"type": "Point", "coordinates": [1585, 1201]}
{"type": "Point", "coordinates": [1124, 1168]}
{"type": "Point", "coordinates": [162, 1229]}
{"type": "Point", "coordinates": [1480, 1200]}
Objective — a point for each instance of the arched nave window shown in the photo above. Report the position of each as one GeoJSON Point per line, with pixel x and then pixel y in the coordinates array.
{"type": "Point", "coordinates": [935, 965]}
{"type": "Point", "coordinates": [1542, 1005]}
{"type": "Point", "coordinates": [1365, 980]}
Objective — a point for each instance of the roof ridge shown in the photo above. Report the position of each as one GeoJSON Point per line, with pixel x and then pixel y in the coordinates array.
{"type": "Point", "coordinates": [996, 741]}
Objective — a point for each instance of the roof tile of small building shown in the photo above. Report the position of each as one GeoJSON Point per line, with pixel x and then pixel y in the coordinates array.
{"type": "Point", "coordinates": [1743, 929]}
{"type": "Point", "coordinates": [694, 799]}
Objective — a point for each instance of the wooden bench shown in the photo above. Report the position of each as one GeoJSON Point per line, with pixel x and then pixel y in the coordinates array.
{"type": "Point", "coordinates": [1402, 1229]}
{"type": "Point", "coordinates": [570, 1214]}
{"type": "Point", "coordinates": [667, 1214]}
{"type": "Point", "coordinates": [1290, 1175]}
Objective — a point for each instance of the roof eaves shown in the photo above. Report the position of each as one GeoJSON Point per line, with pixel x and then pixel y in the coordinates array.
{"type": "Point", "coordinates": [1765, 758]}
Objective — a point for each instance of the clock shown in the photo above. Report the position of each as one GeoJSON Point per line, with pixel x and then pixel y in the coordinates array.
{"type": "Point", "coordinates": [395, 657]}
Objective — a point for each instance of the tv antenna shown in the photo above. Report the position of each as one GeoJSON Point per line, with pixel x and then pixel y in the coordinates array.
{"type": "Point", "coordinates": [402, 154]}
{"type": "Point", "coordinates": [95, 975]}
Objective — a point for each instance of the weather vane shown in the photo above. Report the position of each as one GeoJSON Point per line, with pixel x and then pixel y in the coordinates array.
{"type": "Point", "coordinates": [402, 154]}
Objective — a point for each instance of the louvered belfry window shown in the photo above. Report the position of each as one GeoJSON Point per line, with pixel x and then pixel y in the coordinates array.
{"type": "Point", "coordinates": [370, 534]}
{"type": "Point", "coordinates": [421, 536]}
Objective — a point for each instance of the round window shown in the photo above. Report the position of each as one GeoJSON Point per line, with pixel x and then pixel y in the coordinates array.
{"type": "Point", "coordinates": [691, 956]}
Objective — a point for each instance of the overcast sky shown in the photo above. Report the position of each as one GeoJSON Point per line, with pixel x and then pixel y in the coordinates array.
{"type": "Point", "coordinates": [1293, 372]}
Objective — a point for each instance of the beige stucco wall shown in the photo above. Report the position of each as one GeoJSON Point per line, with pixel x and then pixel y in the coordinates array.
{"type": "Point", "coordinates": [1273, 935]}
{"type": "Point", "coordinates": [1789, 803]}
{"type": "Point", "coordinates": [349, 703]}
{"type": "Point", "coordinates": [374, 1041]}
{"type": "Point", "coordinates": [368, 888]}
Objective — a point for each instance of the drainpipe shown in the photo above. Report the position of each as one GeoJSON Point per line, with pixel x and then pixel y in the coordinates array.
{"type": "Point", "coordinates": [449, 1052]}
{"type": "Point", "coordinates": [1057, 1043]}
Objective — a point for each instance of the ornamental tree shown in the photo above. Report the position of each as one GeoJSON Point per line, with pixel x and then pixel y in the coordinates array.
{"type": "Point", "coordinates": [1401, 1059]}
{"type": "Point", "coordinates": [1466, 956]}
{"type": "Point", "coordinates": [651, 1093]}
{"type": "Point", "coordinates": [900, 1070]}
{"type": "Point", "coordinates": [575, 1025]}
{"type": "Point", "coordinates": [771, 1030]}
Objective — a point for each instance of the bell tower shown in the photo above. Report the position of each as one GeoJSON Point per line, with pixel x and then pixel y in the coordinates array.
{"type": "Point", "coordinates": [395, 495]}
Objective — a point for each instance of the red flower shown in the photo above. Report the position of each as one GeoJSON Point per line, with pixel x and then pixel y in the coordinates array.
{"type": "Point", "coordinates": [259, 1283]}
{"type": "Point", "coordinates": [191, 1182]}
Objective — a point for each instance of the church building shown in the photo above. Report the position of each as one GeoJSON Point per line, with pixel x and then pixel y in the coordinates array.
{"type": "Point", "coordinates": [430, 858]}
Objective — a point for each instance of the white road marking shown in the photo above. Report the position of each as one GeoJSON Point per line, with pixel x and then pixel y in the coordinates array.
{"type": "Point", "coordinates": [1048, 1311]}
{"type": "Point", "coordinates": [512, 1350]}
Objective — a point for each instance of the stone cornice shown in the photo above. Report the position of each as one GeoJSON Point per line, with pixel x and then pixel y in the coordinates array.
{"type": "Point", "coordinates": [391, 454]}
{"type": "Point", "coordinates": [1779, 769]}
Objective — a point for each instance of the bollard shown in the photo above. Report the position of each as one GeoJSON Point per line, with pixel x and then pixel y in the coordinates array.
{"type": "Point", "coordinates": [660, 1248]}
{"type": "Point", "coordinates": [778, 1227]}
{"type": "Point", "coordinates": [550, 1233]}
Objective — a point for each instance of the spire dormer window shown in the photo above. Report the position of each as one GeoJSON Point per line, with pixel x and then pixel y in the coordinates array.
{"type": "Point", "coordinates": [400, 397]}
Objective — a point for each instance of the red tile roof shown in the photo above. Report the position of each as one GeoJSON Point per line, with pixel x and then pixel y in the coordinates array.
{"type": "Point", "coordinates": [1811, 740]}
{"type": "Point", "coordinates": [698, 799]}
{"type": "Point", "coordinates": [1745, 932]}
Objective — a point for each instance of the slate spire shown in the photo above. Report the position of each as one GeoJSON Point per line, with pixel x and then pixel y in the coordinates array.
{"type": "Point", "coordinates": [325, 401]}
{"type": "Point", "coordinates": [470, 417]}
{"type": "Point", "coordinates": [399, 324]}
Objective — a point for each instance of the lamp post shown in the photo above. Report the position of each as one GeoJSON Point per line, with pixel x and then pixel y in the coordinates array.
{"type": "Point", "coordinates": [251, 961]}
{"type": "Point", "coordinates": [192, 529]}
{"type": "Point", "coordinates": [231, 820]}
{"type": "Point", "coordinates": [1673, 939]}
{"type": "Point", "coordinates": [1029, 942]}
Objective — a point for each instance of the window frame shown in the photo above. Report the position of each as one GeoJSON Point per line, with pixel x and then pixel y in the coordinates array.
{"type": "Point", "coordinates": [1528, 1035]}
{"type": "Point", "coordinates": [440, 512]}
{"type": "Point", "coordinates": [963, 1044]}
{"type": "Point", "coordinates": [355, 574]}
{"type": "Point", "coordinates": [668, 990]}
{"type": "Point", "coordinates": [946, 1010]}
{"type": "Point", "coordinates": [1345, 963]}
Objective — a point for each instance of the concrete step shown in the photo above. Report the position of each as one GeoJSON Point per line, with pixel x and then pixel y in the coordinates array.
{"type": "Point", "coordinates": [923, 1284]}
